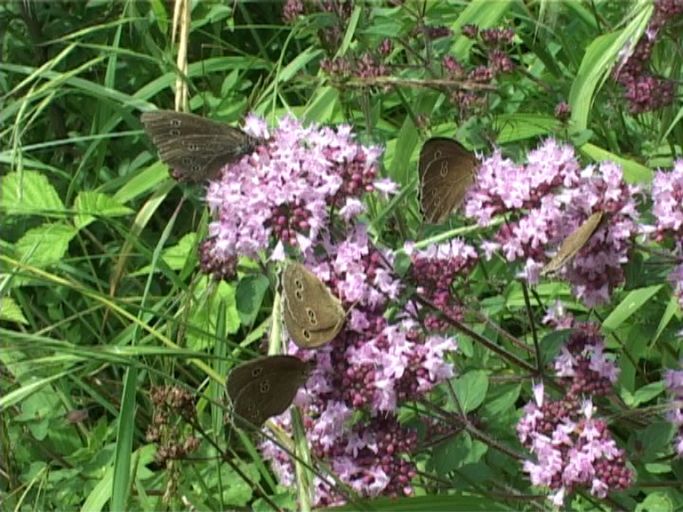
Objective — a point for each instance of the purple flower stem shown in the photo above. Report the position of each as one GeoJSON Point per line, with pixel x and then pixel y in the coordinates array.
{"type": "Point", "coordinates": [500, 331]}
{"type": "Point", "coordinates": [472, 334]}
{"type": "Point", "coordinates": [431, 83]}
{"type": "Point", "coordinates": [527, 303]}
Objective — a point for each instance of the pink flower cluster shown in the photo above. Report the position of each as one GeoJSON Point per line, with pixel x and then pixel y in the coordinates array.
{"type": "Point", "coordinates": [494, 44]}
{"type": "Point", "coordinates": [642, 89]}
{"type": "Point", "coordinates": [572, 448]}
{"type": "Point", "coordinates": [434, 270]}
{"type": "Point", "coordinates": [674, 383]}
{"type": "Point", "coordinates": [667, 200]}
{"type": "Point", "coordinates": [282, 193]}
{"type": "Point", "coordinates": [545, 200]}
{"type": "Point", "coordinates": [372, 366]}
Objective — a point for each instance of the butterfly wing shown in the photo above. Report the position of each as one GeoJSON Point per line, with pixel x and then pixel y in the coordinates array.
{"type": "Point", "coordinates": [194, 147]}
{"type": "Point", "coordinates": [310, 303]}
{"type": "Point", "coordinates": [571, 245]}
{"type": "Point", "coordinates": [446, 170]}
{"type": "Point", "coordinates": [266, 386]}
{"type": "Point", "coordinates": [306, 337]}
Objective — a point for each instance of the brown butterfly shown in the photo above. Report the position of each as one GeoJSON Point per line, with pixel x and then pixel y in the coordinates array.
{"type": "Point", "coordinates": [576, 240]}
{"type": "Point", "coordinates": [313, 315]}
{"type": "Point", "coordinates": [446, 170]}
{"type": "Point", "coordinates": [266, 386]}
{"type": "Point", "coordinates": [193, 147]}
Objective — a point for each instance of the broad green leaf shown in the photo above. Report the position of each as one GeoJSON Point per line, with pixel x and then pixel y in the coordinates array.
{"type": "Point", "coordinates": [646, 393]}
{"type": "Point", "coordinates": [45, 245]}
{"type": "Point", "coordinates": [657, 501]}
{"type": "Point", "coordinates": [633, 301]}
{"type": "Point", "coordinates": [633, 171]}
{"type": "Point", "coordinates": [521, 126]}
{"type": "Point", "coordinates": [175, 256]}
{"type": "Point", "coordinates": [250, 292]}
{"type": "Point", "coordinates": [11, 312]}
{"type": "Point", "coordinates": [600, 57]}
{"type": "Point", "coordinates": [205, 312]}
{"type": "Point", "coordinates": [457, 452]}
{"type": "Point", "coordinates": [504, 402]}
{"type": "Point", "coordinates": [471, 389]}
{"type": "Point", "coordinates": [29, 193]}
{"type": "Point", "coordinates": [91, 204]}
{"type": "Point", "coordinates": [656, 438]}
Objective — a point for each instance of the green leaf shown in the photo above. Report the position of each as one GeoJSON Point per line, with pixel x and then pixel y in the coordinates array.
{"type": "Point", "coordinates": [646, 393]}
{"type": "Point", "coordinates": [250, 292]}
{"type": "Point", "coordinates": [656, 438]}
{"type": "Point", "coordinates": [125, 433]}
{"type": "Point", "coordinates": [601, 55]}
{"type": "Point", "coordinates": [11, 312]}
{"type": "Point", "coordinates": [322, 105]}
{"type": "Point", "coordinates": [633, 301]}
{"type": "Point", "coordinates": [450, 454]}
{"type": "Point", "coordinates": [29, 193]}
{"type": "Point", "coordinates": [483, 14]}
{"type": "Point", "coordinates": [521, 126]}
{"type": "Point", "coordinates": [204, 314]}
{"type": "Point", "coordinates": [471, 389]}
{"type": "Point", "coordinates": [551, 344]}
{"type": "Point", "coordinates": [504, 402]}
{"type": "Point", "coordinates": [90, 204]}
{"type": "Point", "coordinates": [351, 26]}
{"type": "Point", "coordinates": [633, 171]}
{"type": "Point", "coordinates": [45, 245]}
{"type": "Point", "coordinates": [174, 256]}
{"type": "Point", "coordinates": [669, 313]}
{"type": "Point", "coordinates": [657, 501]}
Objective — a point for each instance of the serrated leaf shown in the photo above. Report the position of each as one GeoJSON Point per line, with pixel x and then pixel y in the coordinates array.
{"type": "Point", "coordinates": [471, 389]}
{"type": "Point", "coordinates": [633, 301]}
{"type": "Point", "coordinates": [29, 193]}
{"type": "Point", "coordinates": [11, 312]}
{"type": "Point", "coordinates": [91, 204]}
{"type": "Point", "coordinates": [44, 245]}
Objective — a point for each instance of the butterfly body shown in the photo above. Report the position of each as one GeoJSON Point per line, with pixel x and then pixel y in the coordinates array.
{"type": "Point", "coordinates": [446, 170]}
{"type": "Point", "coordinates": [195, 148]}
{"type": "Point", "coordinates": [313, 315]}
{"type": "Point", "coordinates": [266, 386]}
